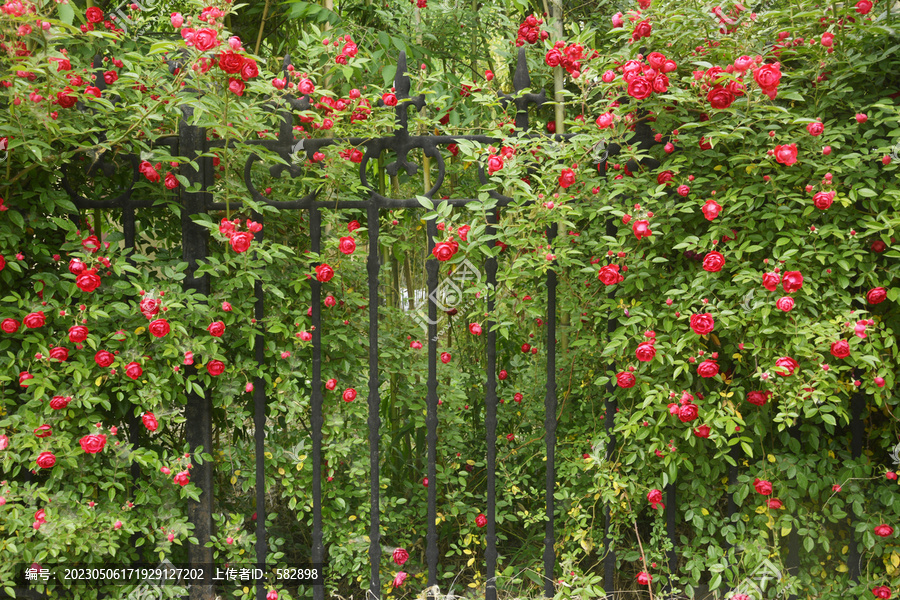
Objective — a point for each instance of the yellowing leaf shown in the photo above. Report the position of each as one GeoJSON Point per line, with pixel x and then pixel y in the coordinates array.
{"type": "Point", "coordinates": [785, 531]}
{"type": "Point", "coordinates": [351, 518]}
{"type": "Point", "coordinates": [841, 568]}
{"type": "Point", "coordinates": [737, 356]}
{"type": "Point", "coordinates": [280, 471]}
{"type": "Point", "coordinates": [267, 455]}
{"type": "Point", "coordinates": [761, 509]}
{"type": "Point", "coordinates": [895, 559]}
{"type": "Point", "coordinates": [704, 512]}
{"type": "Point", "coordinates": [98, 381]}
{"type": "Point", "coordinates": [470, 562]}
{"type": "Point", "coordinates": [771, 458]}
{"type": "Point", "coordinates": [233, 480]}
{"type": "Point", "coordinates": [717, 168]}
{"type": "Point", "coordinates": [140, 330]}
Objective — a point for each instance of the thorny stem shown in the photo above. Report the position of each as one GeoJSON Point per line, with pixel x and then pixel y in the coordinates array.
{"type": "Point", "coordinates": [643, 558]}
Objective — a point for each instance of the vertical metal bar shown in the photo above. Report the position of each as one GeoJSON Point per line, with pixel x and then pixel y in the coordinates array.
{"type": "Point", "coordinates": [259, 424]}
{"type": "Point", "coordinates": [317, 419]}
{"type": "Point", "coordinates": [198, 411]}
{"type": "Point", "coordinates": [374, 404]}
{"type": "Point", "coordinates": [550, 425]}
{"type": "Point", "coordinates": [431, 418]}
{"type": "Point", "coordinates": [490, 421]}
{"type": "Point", "coordinates": [609, 565]}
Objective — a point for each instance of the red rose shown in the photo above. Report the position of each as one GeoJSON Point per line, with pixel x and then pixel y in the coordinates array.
{"type": "Point", "coordinates": [59, 402]}
{"type": "Point", "coordinates": [150, 421]}
{"type": "Point", "coordinates": [347, 245]}
{"type": "Point", "coordinates": [702, 431]}
{"type": "Point", "coordinates": [771, 281]}
{"type": "Point", "coordinates": [446, 357]}
{"type": "Point", "coordinates": [876, 295]}
{"type": "Point", "coordinates": [823, 200]}
{"type": "Point", "coordinates": [567, 178]}
{"type": "Point", "coordinates": [94, 15]}
{"type": "Point", "coordinates": [645, 352]}
{"type": "Point", "coordinates": [840, 349]}
{"type": "Point", "coordinates": [443, 251]}
{"type": "Point", "coordinates": [495, 163]}
{"type": "Point", "coordinates": [324, 273]}
{"type": "Point", "coordinates": [625, 379]}
{"type": "Point", "coordinates": [773, 503]}
{"type": "Point", "coordinates": [863, 7]}
{"type": "Point", "coordinates": [757, 398]}
{"type": "Point", "coordinates": [23, 377]}
{"type": "Point", "coordinates": [711, 209]}
{"type": "Point", "coordinates": [718, 97]}
{"type": "Point", "coordinates": [713, 262]}
{"type": "Point", "coordinates": [654, 497]}
{"type": "Point", "coordinates": [171, 181]}
{"type": "Point", "coordinates": [133, 370]}
{"type": "Point", "coordinates": [786, 154]}
{"type": "Point", "coordinates": [92, 444]}
{"type": "Point", "coordinates": [46, 460]}
{"type": "Point", "coordinates": [400, 556]}
{"type": "Point", "coordinates": [881, 591]}
{"type": "Point", "coordinates": [708, 368]}
{"type": "Point", "coordinates": [687, 412]}
{"type": "Point", "coordinates": [762, 486]}
{"type": "Point", "coordinates": [43, 431]}
{"type": "Point", "coordinates": [59, 353]}
{"type": "Point", "coordinates": [34, 320]}
{"type": "Point", "coordinates": [642, 29]}
{"type": "Point", "coordinates": [231, 62]}
{"type": "Point", "coordinates": [640, 88]}
{"type": "Point", "coordinates": [88, 280]}
{"type": "Point", "coordinates": [159, 328]}
{"type": "Point", "coordinates": [815, 129]}
{"type": "Point", "coordinates": [104, 358]}
{"type": "Point", "coordinates": [216, 328]}
{"type": "Point", "coordinates": [785, 303]}
{"type": "Point", "coordinates": [641, 228]}
{"type": "Point", "coordinates": [610, 275]}
{"type": "Point", "coordinates": [182, 478]}
{"type": "Point", "coordinates": [331, 384]}
{"type": "Point", "coordinates": [249, 70]}
{"type": "Point", "coordinates": [664, 177]}
{"type": "Point", "coordinates": [150, 307]}
{"type": "Point", "coordinates": [349, 395]}
{"type": "Point", "coordinates": [205, 38]}
{"type": "Point", "coordinates": [240, 241]}
{"type": "Point", "coordinates": [236, 86]}
{"type": "Point", "coordinates": [883, 530]}
{"type": "Point", "coordinates": [703, 323]}
{"type": "Point", "coordinates": [767, 78]}
{"type": "Point", "coordinates": [475, 329]}
{"type": "Point", "coordinates": [78, 333]}
{"type": "Point", "coordinates": [215, 367]}
{"type": "Point", "coordinates": [64, 99]}
{"type": "Point", "coordinates": [464, 233]}
{"type": "Point", "coordinates": [787, 366]}
{"type": "Point", "coordinates": [793, 281]}
{"type": "Point", "coordinates": [9, 326]}
{"type": "Point", "coordinates": [480, 520]}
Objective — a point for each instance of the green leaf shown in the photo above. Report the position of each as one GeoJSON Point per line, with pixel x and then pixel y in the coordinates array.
{"type": "Point", "coordinates": [387, 73]}
{"type": "Point", "coordinates": [67, 16]}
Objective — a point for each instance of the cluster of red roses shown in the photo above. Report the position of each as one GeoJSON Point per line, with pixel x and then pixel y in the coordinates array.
{"type": "Point", "coordinates": [569, 57]}
{"type": "Point", "coordinates": [240, 240]}
{"type": "Point", "coordinates": [687, 411]}
{"type": "Point", "coordinates": [151, 172]}
{"type": "Point", "coordinates": [530, 31]}
{"type": "Point", "coordinates": [95, 15]}
{"type": "Point", "coordinates": [86, 278]}
{"type": "Point", "coordinates": [445, 250]}
{"type": "Point", "coordinates": [644, 78]}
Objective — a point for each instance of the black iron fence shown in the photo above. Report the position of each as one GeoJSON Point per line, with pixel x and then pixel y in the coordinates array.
{"type": "Point", "coordinates": [192, 142]}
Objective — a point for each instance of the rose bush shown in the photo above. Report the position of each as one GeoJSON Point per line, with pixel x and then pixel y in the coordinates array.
{"type": "Point", "coordinates": [736, 198]}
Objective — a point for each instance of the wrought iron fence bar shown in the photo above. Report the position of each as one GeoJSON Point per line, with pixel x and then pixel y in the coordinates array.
{"type": "Point", "coordinates": [305, 203]}
{"type": "Point", "coordinates": [198, 411]}
{"type": "Point", "coordinates": [259, 424]}
{"type": "Point", "coordinates": [550, 426]}
{"type": "Point", "coordinates": [490, 421]}
{"type": "Point", "coordinates": [317, 419]}
{"type": "Point", "coordinates": [793, 557]}
{"type": "Point", "coordinates": [431, 418]}
{"type": "Point", "coordinates": [609, 421]}
{"type": "Point", "coordinates": [374, 405]}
